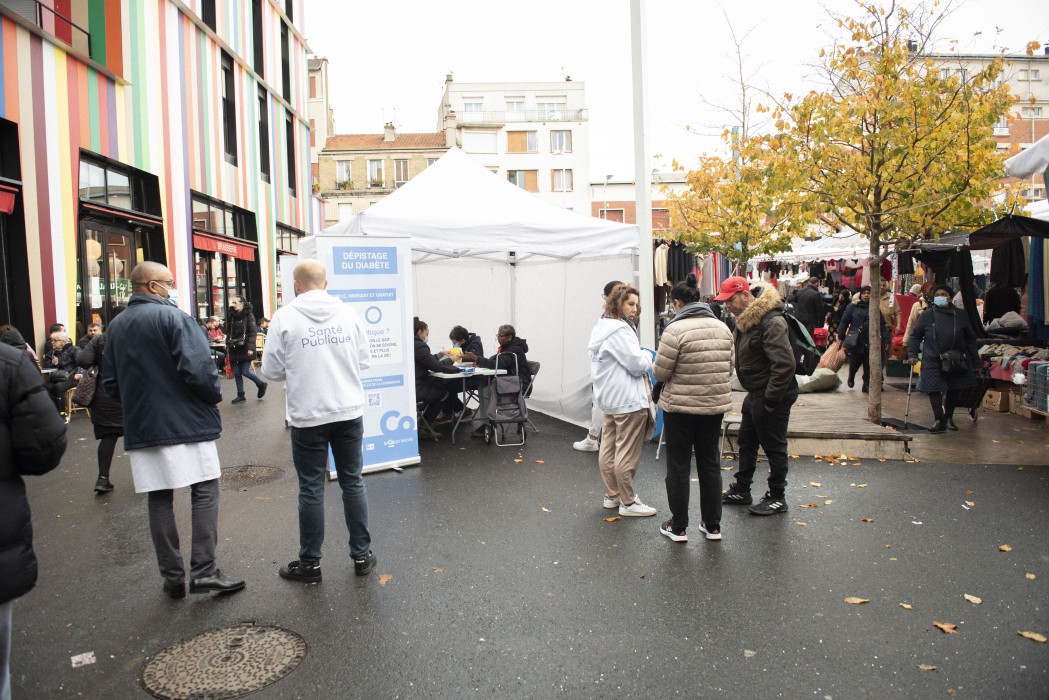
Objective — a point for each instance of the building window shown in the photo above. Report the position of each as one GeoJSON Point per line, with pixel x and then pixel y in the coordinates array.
{"type": "Point", "coordinates": [479, 141]}
{"type": "Point", "coordinates": [345, 211]}
{"type": "Point", "coordinates": [473, 105]}
{"type": "Point", "coordinates": [289, 134]}
{"type": "Point", "coordinates": [525, 179]}
{"type": "Point", "coordinates": [256, 27]}
{"type": "Point", "coordinates": [342, 174]}
{"type": "Point", "coordinates": [264, 135]}
{"type": "Point", "coordinates": [522, 142]}
{"type": "Point", "coordinates": [552, 108]}
{"type": "Point", "coordinates": [945, 73]}
{"type": "Point", "coordinates": [560, 141]}
{"type": "Point", "coordinates": [515, 104]}
{"type": "Point", "coordinates": [208, 13]}
{"type": "Point", "coordinates": [660, 219]}
{"type": "Point", "coordinates": [1029, 74]}
{"type": "Point", "coordinates": [375, 176]}
{"type": "Point", "coordinates": [1031, 111]}
{"type": "Point", "coordinates": [313, 87]}
{"type": "Point", "coordinates": [313, 133]}
{"type": "Point", "coordinates": [430, 161]}
{"type": "Point", "coordinates": [561, 180]}
{"type": "Point", "coordinates": [103, 183]}
{"type": "Point", "coordinates": [612, 215]}
{"type": "Point", "coordinates": [229, 110]}
{"type": "Point", "coordinates": [400, 172]}
{"type": "Point", "coordinates": [285, 63]}
{"type": "Point", "coordinates": [288, 239]}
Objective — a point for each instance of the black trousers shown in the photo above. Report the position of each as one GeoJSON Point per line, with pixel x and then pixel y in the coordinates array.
{"type": "Point", "coordinates": [441, 396]}
{"type": "Point", "coordinates": [860, 359]}
{"type": "Point", "coordinates": [769, 430]}
{"type": "Point", "coordinates": [685, 432]}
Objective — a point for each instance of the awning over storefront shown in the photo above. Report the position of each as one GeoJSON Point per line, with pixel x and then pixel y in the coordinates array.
{"type": "Point", "coordinates": [216, 244]}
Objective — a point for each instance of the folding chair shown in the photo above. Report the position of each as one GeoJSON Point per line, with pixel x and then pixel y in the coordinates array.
{"type": "Point", "coordinates": [533, 369]}
{"type": "Point", "coordinates": [260, 345]}
{"type": "Point", "coordinates": [420, 420]}
{"type": "Point", "coordinates": [70, 406]}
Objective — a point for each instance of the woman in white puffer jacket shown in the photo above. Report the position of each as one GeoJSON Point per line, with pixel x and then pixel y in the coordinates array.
{"type": "Point", "coordinates": [619, 370]}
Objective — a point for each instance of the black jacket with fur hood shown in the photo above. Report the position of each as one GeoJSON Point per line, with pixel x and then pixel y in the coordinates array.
{"type": "Point", "coordinates": [764, 359]}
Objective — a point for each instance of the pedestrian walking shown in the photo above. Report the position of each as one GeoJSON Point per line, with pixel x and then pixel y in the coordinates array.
{"type": "Point", "coordinates": [32, 442]}
{"type": "Point", "coordinates": [765, 367]}
{"type": "Point", "coordinates": [619, 371]}
{"type": "Point", "coordinates": [107, 415]}
{"type": "Point", "coordinates": [318, 346]}
{"type": "Point", "coordinates": [950, 356]}
{"type": "Point", "coordinates": [241, 336]}
{"type": "Point", "coordinates": [808, 306]}
{"type": "Point", "coordinates": [593, 435]}
{"type": "Point", "coordinates": [694, 363]}
{"type": "Point", "coordinates": [157, 362]}
{"type": "Point", "coordinates": [856, 322]}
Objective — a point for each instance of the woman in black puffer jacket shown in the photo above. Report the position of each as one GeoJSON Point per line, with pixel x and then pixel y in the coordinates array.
{"type": "Point", "coordinates": [241, 333]}
{"type": "Point", "coordinates": [107, 415]}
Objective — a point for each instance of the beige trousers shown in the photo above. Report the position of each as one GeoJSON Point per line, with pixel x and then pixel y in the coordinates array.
{"type": "Point", "coordinates": [622, 437]}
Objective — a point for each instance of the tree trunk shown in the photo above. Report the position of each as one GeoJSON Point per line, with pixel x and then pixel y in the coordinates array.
{"type": "Point", "coordinates": [874, 397]}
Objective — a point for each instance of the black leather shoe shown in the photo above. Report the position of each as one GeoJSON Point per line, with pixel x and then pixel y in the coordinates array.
{"type": "Point", "coordinates": [103, 485]}
{"type": "Point", "coordinates": [216, 582]}
{"type": "Point", "coordinates": [852, 380]}
{"type": "Point", "coordinates": [363, 564]}
{"type": "Point", "coordinates": [939, 426]}
{"type": "Point", "coordinates": [865, 389]}
{"type": "Point", "coordinates": [240, 399]}
{"type": "Point", "coordinates": [951, 425]}
{"type": "Point", "coordinates": [175, 590]}
{"type": "Point", "coordinates": [262, 389]}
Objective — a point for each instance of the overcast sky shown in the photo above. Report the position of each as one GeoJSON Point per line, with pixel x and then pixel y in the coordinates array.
{"type": "Point", "coordinates": [388, 60]}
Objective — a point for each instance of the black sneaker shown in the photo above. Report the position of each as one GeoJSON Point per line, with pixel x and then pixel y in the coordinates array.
{"type": "Point", "coordinates": [770, 505]}
{"type": "Point", "coordinates": [240, 399]}
{"type": "Point", "coordinates": [103, 485]}
{"type": "Point", "coordinates": [677, 534]}
{"type": "Point", "coordinates": [735, 497]}
{"type": "Point", "coordinates": [363, 565]}
{"type": "Point", "coordinates": [298, 571]}
{"type": "Point", "coordinates": [262, 389]}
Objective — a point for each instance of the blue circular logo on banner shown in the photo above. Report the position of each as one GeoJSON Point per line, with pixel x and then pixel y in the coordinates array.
{"type": "Point", "coordinates": [373, 314]}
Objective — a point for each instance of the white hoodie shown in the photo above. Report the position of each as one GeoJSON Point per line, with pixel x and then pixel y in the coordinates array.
{"type": "Point", "coordinates": [618, 368]}
{"type": "Point", "coordinates": [318, 345]}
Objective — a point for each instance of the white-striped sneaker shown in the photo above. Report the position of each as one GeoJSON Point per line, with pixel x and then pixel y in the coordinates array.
{"type": "Point", "coordinates": [611, 502]}
{"type": "Point", "coordinates": [711, 534]}
{"type": "Point", "coordinates": [637, 508]}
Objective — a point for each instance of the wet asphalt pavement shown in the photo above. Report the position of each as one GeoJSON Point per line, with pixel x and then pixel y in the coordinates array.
{"type": "Point", "coordinates": [503, 579]}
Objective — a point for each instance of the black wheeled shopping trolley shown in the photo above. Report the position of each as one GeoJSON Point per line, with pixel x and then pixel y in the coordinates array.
{"type": "Point", "coordinates": [505, 412]}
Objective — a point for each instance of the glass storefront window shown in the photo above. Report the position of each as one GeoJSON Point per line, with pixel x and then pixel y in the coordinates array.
{"type": "Point", "coordinates": [92, 182]}
{"type": "Point", "coordinates": [118, 186]}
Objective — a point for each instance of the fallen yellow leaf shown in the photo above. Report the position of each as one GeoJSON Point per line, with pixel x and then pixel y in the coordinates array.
{"type": "Point", "coordinates": [881, 460]}
{"type": "Point", "coordinates": [809, 505]}
{"type": "Point", "coordinates": [946, 627]}
{"type": "Point", "coordinates": [436, 569]}
{"type": "Point", "coordinates": [861, 486]}
{"type": "Point", "coordinates": [973, 599]}
{"type": "Point", "coordinates": [853, 600]}
{"type": "Point", "coordinates": [1005, 548]}
{"type": "Point", "coordinates": [969, 492]}
{"type": "Point", "coordinates": [539, 461]}
{"type": "Point", "coordinates": [971, 504]}
{"type": "Point", "coordinates": [611, 520]}
{"type": "Point", "coordinates": [905, 606]}
{"type": "Point", "coordinates": [952, 692]}
{"type": "Point", "coordinates": [817, 456]}
{"type": "Point", "coordinates": [996, 441]}
{"type": "Point", "coordinates": [385, 578]}
{"type": "Point", "coordinates": [798, 522]}
{"type": "Point", "coordinates": [1033, 636]}
{"type": "Point", "coordinates": [815, 483]}
{"type": "Point", "coordinates": [545, 509]}
{"type": "Point", "coordinates": [518, 461]}
{"type": "Point", "coordinates": [1030, 577]}
{"type": "Point", "coordinates": [892, 559]}
{"type": "Point", "coordinates": [925, 667]}
{"type": "Point", "coordinates": [827, 503]}
{"type": "Point", "coordinates": [793, 456]}
{"type": "Point", "coordinates": [866, 520]}
{"type": "Point", "coordinates": [888, 546]}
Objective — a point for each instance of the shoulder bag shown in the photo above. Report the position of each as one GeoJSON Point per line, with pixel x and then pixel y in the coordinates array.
{"type": "Point", "coordinates": [84, 393]}
{"type": "Point", "coordinates": [952, 361]}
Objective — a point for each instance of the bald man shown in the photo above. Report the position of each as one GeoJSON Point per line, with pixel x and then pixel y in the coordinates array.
{"type": "Point", "coordinates": [318, 345]}
{"type": "Point", "coordinates": [157, 361]}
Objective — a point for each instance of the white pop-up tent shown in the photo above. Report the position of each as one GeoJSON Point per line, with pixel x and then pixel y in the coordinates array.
{"type": "Point", "coordinates": [485, 253]}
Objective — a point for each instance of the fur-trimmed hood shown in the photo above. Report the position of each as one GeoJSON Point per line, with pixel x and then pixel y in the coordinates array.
{"type": "Point", "coordinates": [752, 315]}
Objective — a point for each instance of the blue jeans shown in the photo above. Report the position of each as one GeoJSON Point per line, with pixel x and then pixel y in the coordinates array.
{"type": "Point", "coordinates": [309, 450]}
{"type": "Point", "coordinates": [241, 370]}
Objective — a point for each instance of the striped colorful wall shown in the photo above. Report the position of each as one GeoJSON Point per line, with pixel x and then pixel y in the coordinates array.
{"type": "Point", "coordinates": [158, 110]}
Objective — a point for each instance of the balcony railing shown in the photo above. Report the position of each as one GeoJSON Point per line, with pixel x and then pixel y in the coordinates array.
{"type": "Point", "coordinates": [548, 115]}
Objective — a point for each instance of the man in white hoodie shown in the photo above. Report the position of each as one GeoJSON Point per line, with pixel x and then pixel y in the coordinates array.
{"type": "Point", "coordinates": [318, 345]}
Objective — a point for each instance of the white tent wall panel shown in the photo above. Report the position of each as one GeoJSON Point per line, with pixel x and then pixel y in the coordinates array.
{"type": "Point", "coordinates": [474, 294]}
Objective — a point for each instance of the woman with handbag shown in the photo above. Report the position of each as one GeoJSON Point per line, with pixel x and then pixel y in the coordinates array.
{"type": "Point", "coordinates": [950, 357]}
{"type": "Point", "coordinates": [622, 390]}
{"type": "Point", "coordinates": [107, 415]}
{"type": "Point", "coordinates": [855, 336]}
{"type": "Point", "coordinates": [241, 333]}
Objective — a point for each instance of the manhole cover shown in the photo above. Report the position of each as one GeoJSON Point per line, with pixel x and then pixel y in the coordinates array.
{"type": "Point", "coordinates": [236, 478]}
{"type": "Point", "coordinates": [224, 663]}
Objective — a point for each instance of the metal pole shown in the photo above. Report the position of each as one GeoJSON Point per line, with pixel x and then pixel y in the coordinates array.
{"type": "Point", "coordinates": [642, 177]}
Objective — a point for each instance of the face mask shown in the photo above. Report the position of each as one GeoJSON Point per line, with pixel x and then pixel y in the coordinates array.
{"type": "Point", "coordinates": [941, 301]}
{"type": "Point", "coordinates": [426, 340]}
{"type": "Point", "coordinates": [173, 296]}
{"type": "Point", "coordinates": [457, 345]}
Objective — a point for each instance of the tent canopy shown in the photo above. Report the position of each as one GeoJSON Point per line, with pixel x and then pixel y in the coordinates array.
{"type": "Point", "coordinates": [1033, 159]}
{"type": "Point", "coordinates": [459, 208]}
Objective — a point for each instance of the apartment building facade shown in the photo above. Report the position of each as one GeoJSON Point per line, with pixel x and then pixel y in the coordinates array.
{"type": "Point", "coordinates": [533, 134]}
{"type": "Point", "coordinates": [167, 130]}
{"type": "Point", "coordinates": [319, 111]}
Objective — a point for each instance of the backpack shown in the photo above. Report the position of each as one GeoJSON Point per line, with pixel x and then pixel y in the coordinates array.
{"type": "Point", "coordinates": [806, 354]}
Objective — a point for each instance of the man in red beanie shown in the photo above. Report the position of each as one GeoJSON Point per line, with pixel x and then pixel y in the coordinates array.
{"type": "Point", "coordinates": [765, 368]}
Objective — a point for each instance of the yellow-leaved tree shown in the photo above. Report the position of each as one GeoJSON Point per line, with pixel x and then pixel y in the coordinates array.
{"type": "Point", "coordinates": [893, 148]}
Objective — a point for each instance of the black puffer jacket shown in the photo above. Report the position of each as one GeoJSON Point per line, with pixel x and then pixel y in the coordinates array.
{"type": "Point", "coordinates": [426, 362]}
{"type": "Point", "coordinates": [942, 330]}
{"type": "Point", "coordinates": [105, 409]}
{"type": "Point", "coordinates": [515, 346]}
{"type": "Point", "coordinates": [241, 332]}
{"type": "Point", "coordinates": [32, 441]}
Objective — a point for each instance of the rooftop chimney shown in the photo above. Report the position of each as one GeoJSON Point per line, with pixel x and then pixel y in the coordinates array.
{"type": "Point", "coordinates": [389, 132]}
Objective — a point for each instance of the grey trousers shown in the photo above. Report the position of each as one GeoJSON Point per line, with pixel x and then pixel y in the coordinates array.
{"type": "Point", "coordinates": [5, 650]}
{"type": "Point", "coordinates": [205, 503]}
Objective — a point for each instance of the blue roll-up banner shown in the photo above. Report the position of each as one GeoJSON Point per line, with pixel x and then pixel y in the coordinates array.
{"type": "Point", "coordinates": [374, 274]}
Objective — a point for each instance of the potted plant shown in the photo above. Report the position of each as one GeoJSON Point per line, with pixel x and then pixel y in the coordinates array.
{"type": "Point", "coordinates": [344, 184]}
{"type": "Point", "coordinates": [376, 182]}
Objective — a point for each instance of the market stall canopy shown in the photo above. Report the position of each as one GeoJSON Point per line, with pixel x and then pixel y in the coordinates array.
{"type": "Point", "coordinates": [1009, 227]}
{"type": "Point", "coordinates": [459, 208]}
{"type": "Point", "coordinates": [1031, 160]}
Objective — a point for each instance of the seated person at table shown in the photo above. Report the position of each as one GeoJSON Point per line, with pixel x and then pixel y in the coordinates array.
{"type": "Point", "coordinates": [62, 359]}
{"type": "Point", "coordinates": [466, 341]}
{"type": "Point", "coordinates": [215, 334]}
{"type": "Point", "coordinates": [509, 346]}
{"type": "Point", "coordinates": [441, 395]}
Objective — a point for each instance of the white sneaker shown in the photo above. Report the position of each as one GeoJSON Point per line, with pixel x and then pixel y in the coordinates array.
{"type": "Point", "coordinates": [637, 508]}
{"type": "Point", "coordinates": [586, 445]}
{"type": "Point", "coordinates": [611, 502]}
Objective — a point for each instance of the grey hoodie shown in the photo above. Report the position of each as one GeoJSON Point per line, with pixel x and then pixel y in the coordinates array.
{"type": "Point", "coordinates": [318, 345]}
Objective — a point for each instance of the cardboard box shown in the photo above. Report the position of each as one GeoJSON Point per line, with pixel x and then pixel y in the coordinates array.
{"type": "Point", "coordinates": [1015, 399]}
{"type": "Point", "coordinates": [997, 401]}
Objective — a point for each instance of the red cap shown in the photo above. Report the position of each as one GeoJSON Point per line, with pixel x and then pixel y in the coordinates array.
{"type": "Point", "coordinates": [731, 286]}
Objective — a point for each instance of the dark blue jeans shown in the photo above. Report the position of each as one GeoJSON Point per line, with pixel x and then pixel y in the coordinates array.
{"type": "Point", "coordinates": [241, 370]}
{"type": "Point", "coordinates": [769, 430]}
{"type": "Point", "coordinates": [309, 450]}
